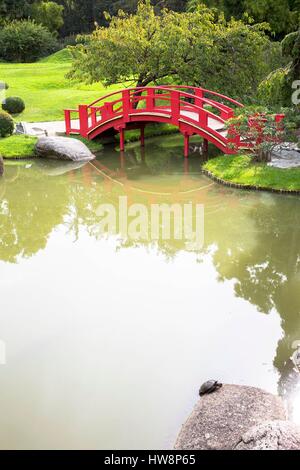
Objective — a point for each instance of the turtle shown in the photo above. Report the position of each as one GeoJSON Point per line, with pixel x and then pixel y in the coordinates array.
{"type": "Point", "coordinates": [209, 387]}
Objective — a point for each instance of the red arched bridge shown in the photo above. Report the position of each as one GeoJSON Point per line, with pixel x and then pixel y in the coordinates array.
{"type": "Point", "coordinates": [193, 110]}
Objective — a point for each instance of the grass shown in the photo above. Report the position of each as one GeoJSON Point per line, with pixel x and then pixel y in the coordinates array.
{"type": "Point", "coordinates": [93, 145]}
{"type": "Point", "coordinates": [151, 130]}
{"type": "Point", "coordinates": [242, 170]}
{"type": "Point", "coordinates": [44, 87]}
{"type": "Point", "coordinates": [17, 146]}
{"type": "Point", "coordinates": [23, 146]}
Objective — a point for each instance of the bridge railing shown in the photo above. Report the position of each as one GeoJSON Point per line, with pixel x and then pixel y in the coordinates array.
{"type": "Point", "coordinates": [175, 101]}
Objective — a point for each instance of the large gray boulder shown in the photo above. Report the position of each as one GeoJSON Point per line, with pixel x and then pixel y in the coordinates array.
{"type": "Point", "coordinates": [1, 166]}
{"type": "Point", "coordinates": [63, 148]}
{"type": "Point", "coordinates": [271, 435]}
{"type": "Point", "coordinates": [219, 420]}
{"type": "Point", "coordinates": [286, 155]}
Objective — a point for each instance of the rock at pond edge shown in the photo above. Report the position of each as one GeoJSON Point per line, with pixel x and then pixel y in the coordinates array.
{"type": "Point", "coordinates": [271, 435]}
{"type": "Point", "coordinates": [63, 148]}
{"type": "Point", "coordinates": [219, 420]}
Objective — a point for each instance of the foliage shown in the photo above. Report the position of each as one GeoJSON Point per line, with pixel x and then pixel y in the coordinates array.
{"type": "Point", "coordinates": [49, 14]}
{"type": "Point", "coordinates": [276, 12]}
{"type": "Point", "coordinates": [233, 60]}
{"type": "Point", "coordinates": [230, 8]}
{"type": "Point", "coordinates": [292, 116]}
{"type": "Point", "coordinates": [18, 146]}
{"type": "Point", "coordinates": [240, 169]}
{"type": "Point", "coordinates": [6, 124]}
{"type": "Point", "coordinates": [25, 41]}
{"type": "Point", "coordinates": [294, 73]}
{"type": "Point", "coordinates": [259, 129]}
{"type": "Point", "coordinates": [273, 91]}
{"type": "Point", "coordinates": [277, 88]}
{"type": "Point", "coordinates": [135, 47]}
{"type": "Point", "coordinates": [288, 44]}
{"type": "Point", "coordinates": [13, 105]}
{"type": "Point", "coordinates": [194, 48]}
{"type": "Point", "coordinates": [282, 15]}
{"type": "Point", "coordinates": [15, 9]}
{"type": "Point", "coordinates": [80, 16]}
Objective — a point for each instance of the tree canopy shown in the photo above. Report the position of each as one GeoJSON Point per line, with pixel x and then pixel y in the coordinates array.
{"type": "Point", "coordinates": [193, 48]}
{"type": "Point", "coordinates": [80, 16]}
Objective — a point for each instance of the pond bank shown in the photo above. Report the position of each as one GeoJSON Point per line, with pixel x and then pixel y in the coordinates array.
{"type": "Point", "coordinates": [240, 172]}
{"type": "Point", "coordinates": [23, 146]}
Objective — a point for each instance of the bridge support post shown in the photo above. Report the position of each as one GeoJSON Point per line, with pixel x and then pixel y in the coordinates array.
{"type": "Point", "coordinates": [68, 121]}
{"type": "Point", "coordinates": [186, 145]}
{"type": "Point", "coordinates": [205, 146]}
{"type": "Point", "coordinates": [122, 140]}
{"type": "Point", "coordinates": [83, 120]}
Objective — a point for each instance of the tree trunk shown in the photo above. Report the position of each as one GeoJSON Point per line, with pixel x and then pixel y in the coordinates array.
{"type": "Point", "coordinates": [137, 94]}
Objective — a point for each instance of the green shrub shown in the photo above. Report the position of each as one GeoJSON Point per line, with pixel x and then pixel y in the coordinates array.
{"type": "Point", "coordinates": [274, 90]}
{"type": "Point", "coordinates": [25, 41]}
{"type": "Point", "coordinates": [6, 124]}
{"type": "Point", "coordinates": [13, 105]}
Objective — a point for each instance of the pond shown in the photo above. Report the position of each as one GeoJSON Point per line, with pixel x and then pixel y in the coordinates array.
{"type": "Point", "coordinates": [106, 338]}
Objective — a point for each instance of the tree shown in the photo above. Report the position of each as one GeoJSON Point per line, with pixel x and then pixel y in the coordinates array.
{"type": "Point", "coordinates": [234, 58]}
{"type": "Point", "coordinates": [49, 14]}
{"type": "Point", "coordinates": [228, 7]}
{"type": "Point", "coordinates": [80, 16]}
{"type": "Point", "coordinates": [277, 13]}
{"type": "Point", "coordinates": [277, 88]}
{"type": "Point", "coordinates": [282, 15]}
{"type": "Point", "coordinates": [193, 48]}
{"type": "Point", "coordinates": [143, 48]}
{"type": "Point", "coordinates": [15, 9]}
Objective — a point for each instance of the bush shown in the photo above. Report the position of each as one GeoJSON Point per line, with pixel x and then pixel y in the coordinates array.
{"type": "Point", "coordinates": [25, 41]}
{"type": "Point", "coordinates": [274, 90]}
{"type": "Point", "coordinates": [6, 124]}
{"type": "Point", "coordinates": [13, 105]}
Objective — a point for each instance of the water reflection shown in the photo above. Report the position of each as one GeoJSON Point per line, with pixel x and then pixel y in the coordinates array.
{"type": "Point", "coordinates": [252, 239]}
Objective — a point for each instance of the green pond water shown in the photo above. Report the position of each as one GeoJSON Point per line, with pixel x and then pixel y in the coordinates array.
{"type": "Point", "coordinates": [105, 337]}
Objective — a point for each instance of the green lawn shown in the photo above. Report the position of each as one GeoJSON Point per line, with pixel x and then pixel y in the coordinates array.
{"type": "Point", "coordinates": [45, 89]}
{"type": "Point", "coordinates": [242, 170]}
{"type": "Point", "coordinates": [17, 146]}
{"type": "Point", "coordinates": [23, 146]}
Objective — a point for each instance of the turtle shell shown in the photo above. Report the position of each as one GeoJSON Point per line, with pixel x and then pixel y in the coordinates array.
{"type": "Point", "coordinates": [209, 387]}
